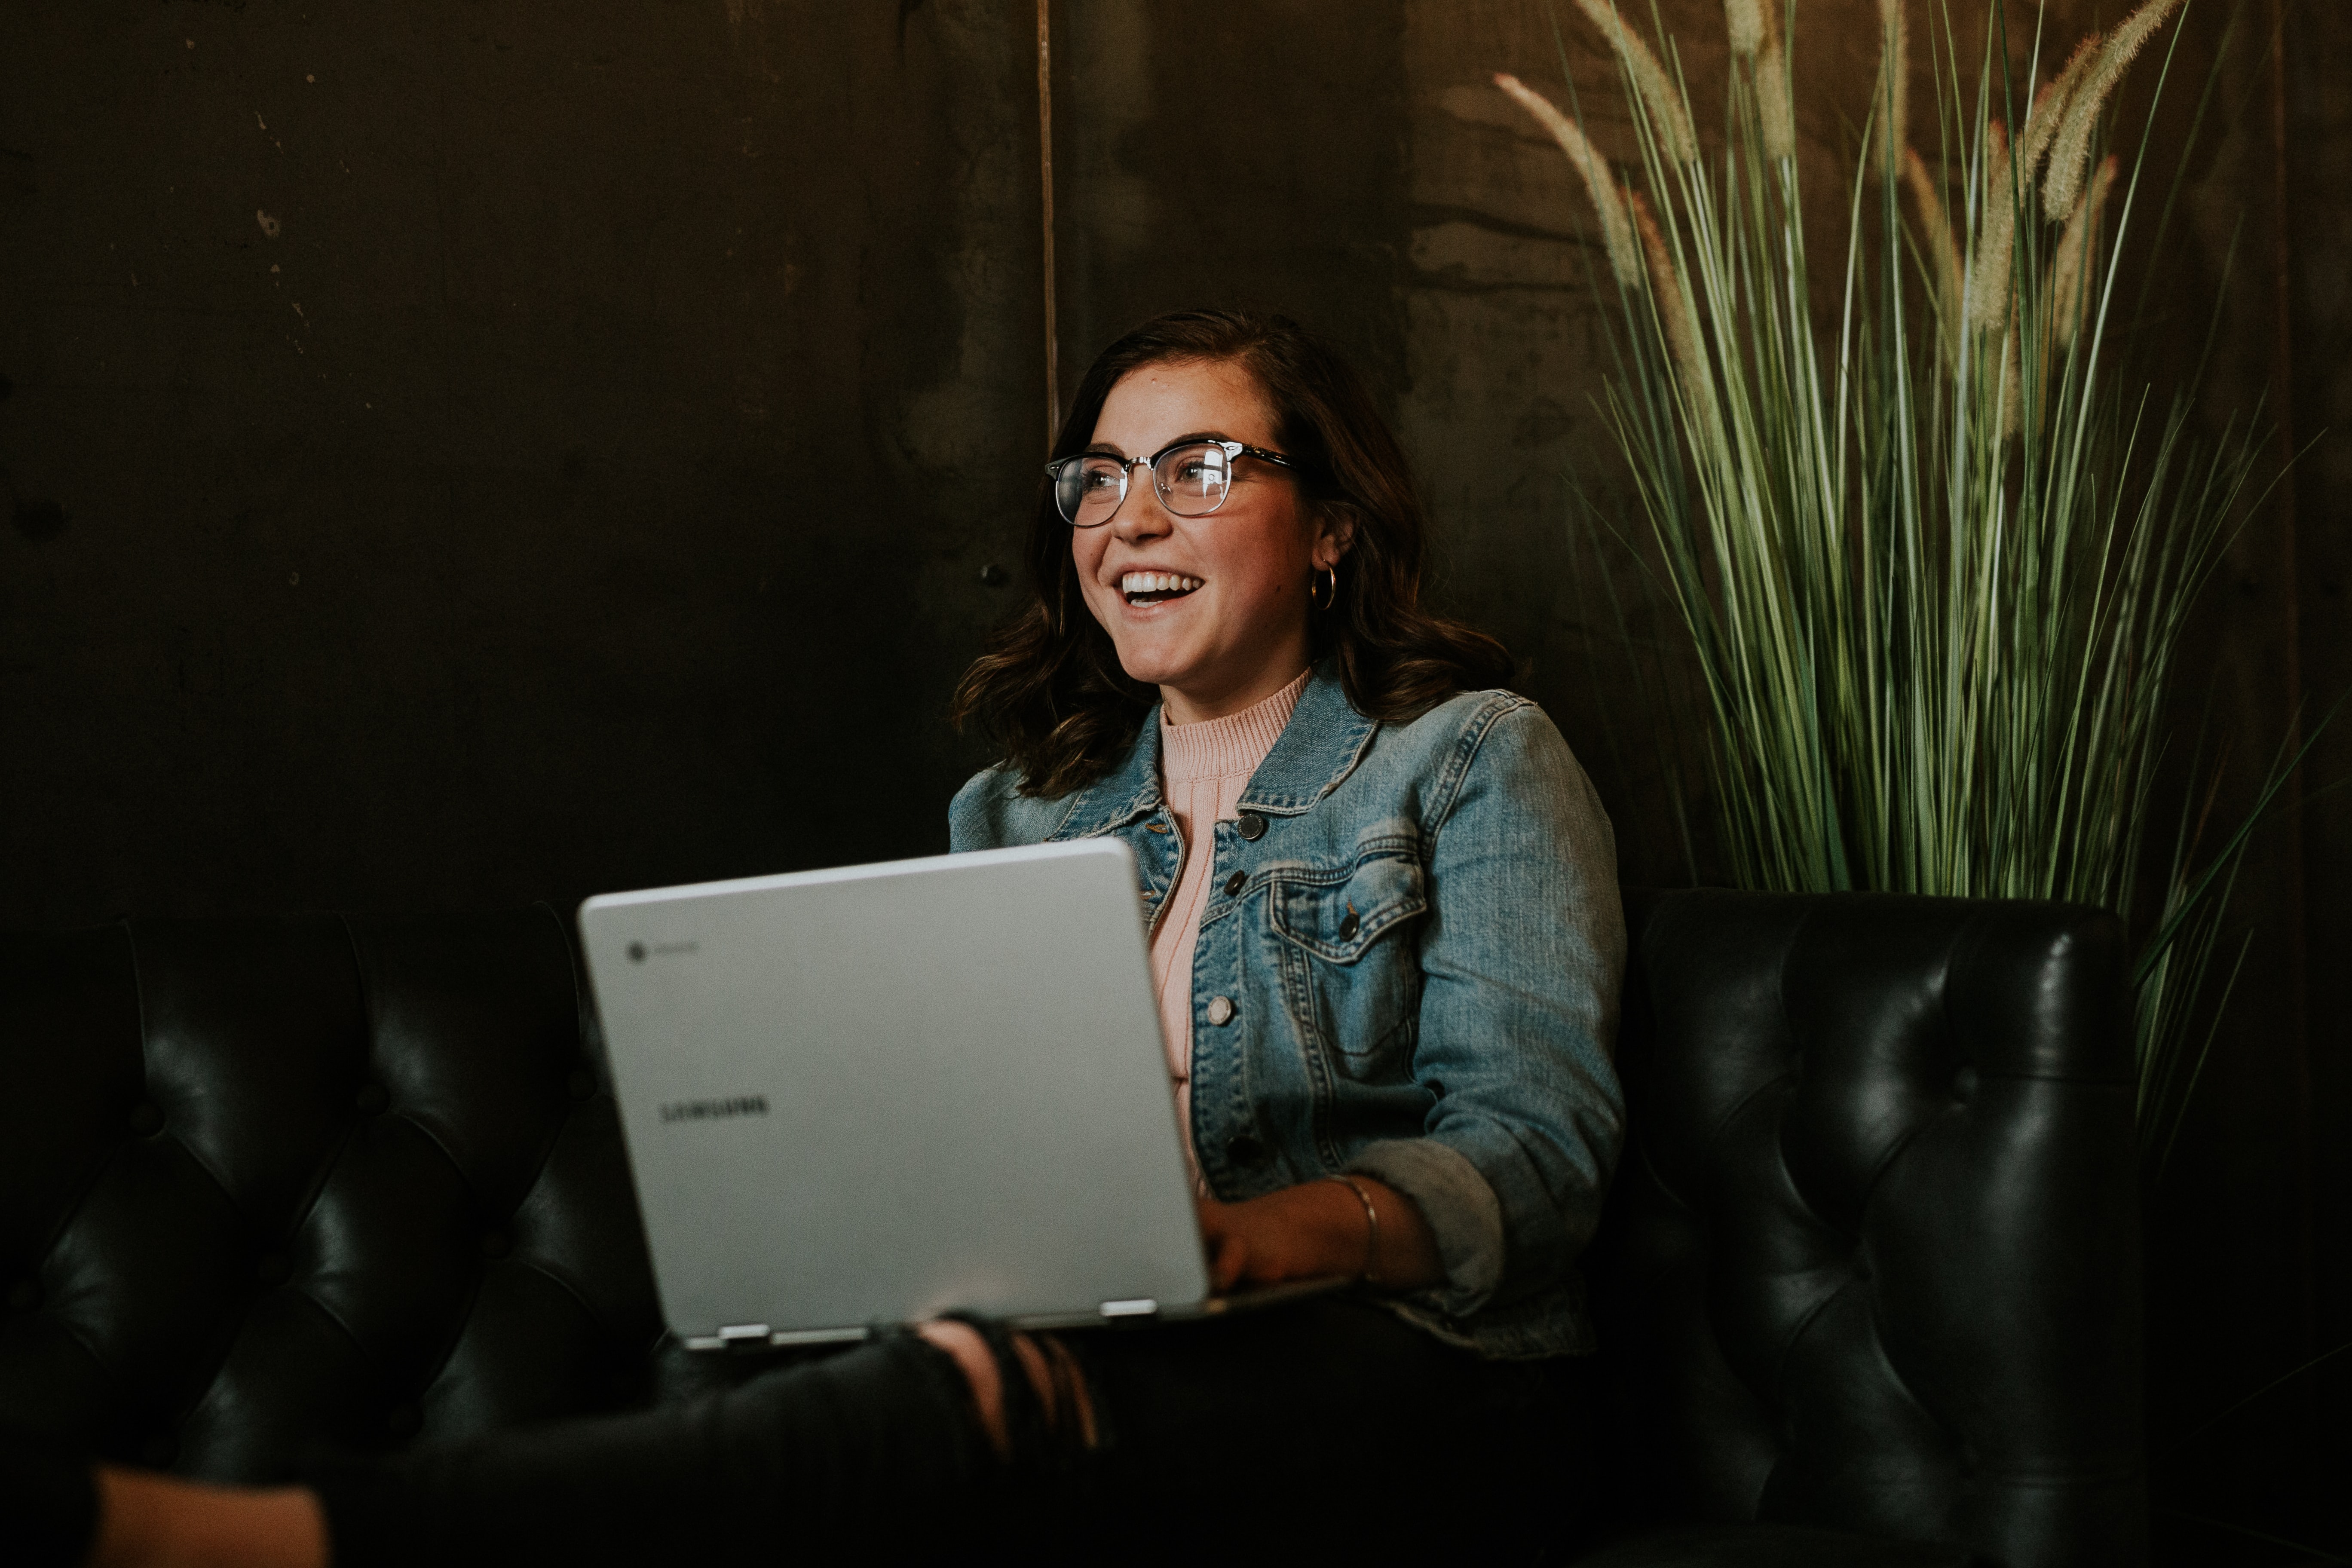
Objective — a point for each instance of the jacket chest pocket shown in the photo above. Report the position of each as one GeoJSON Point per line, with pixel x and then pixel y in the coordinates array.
{"type": "Point", "coordinates": [1354, 965]}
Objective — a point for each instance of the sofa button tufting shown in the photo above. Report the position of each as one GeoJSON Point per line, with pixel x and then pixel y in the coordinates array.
{"type": "Point", "coordinates": [496, 1244]}
{"type": "Point", "coordinates": [581, 1084]}
{"type": "Point", "coordinates": [371, 1099]}
{"type": "Point", "coordinates": [159, 1450]}
{"type": "Point", "coordinates": [404, 1421]}
{"type": "Point", "coordinates": [1250, 825]}
{"type": "Point", "coordinates": [24, 1296]}
{"type": "Point", "coordinates": [146, 1119]}
{"type": "Point", "coordinates": [271, 1269]}
{"type": "Point", "coordinates": [1964, 1083]}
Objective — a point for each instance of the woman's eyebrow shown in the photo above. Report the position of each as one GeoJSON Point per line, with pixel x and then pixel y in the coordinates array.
{"type": "Point", "coordinates": [1109, 450]}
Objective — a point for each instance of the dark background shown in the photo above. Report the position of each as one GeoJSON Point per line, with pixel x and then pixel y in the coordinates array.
{"type": "Point", "coordinates": [489, 451]}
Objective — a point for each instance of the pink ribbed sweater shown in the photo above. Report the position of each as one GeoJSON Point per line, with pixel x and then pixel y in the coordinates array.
{"type": "Point", "coordinates": [1203, 768]}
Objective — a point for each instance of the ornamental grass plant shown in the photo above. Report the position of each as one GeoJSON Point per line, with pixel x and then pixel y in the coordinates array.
{"type": "Point", "coordinates": [1935, 555]}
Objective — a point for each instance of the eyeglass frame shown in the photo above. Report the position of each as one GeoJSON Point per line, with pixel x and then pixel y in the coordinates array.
{"type": "Point", "coordinates": [1126, 467]}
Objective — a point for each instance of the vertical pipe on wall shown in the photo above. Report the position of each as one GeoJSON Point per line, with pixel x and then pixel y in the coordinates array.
{"type": "Point", "coordinates": [2290, 611]}
{"type": "Point", "coordinates": [1045, 171]}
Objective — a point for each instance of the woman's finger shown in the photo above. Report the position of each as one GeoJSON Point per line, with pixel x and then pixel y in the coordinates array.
{"type": "Point", "coordinates": [1231, 1258]}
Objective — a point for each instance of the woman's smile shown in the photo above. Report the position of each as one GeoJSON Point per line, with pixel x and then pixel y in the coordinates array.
{"type": "Point", "coordinates": [1147, 590]}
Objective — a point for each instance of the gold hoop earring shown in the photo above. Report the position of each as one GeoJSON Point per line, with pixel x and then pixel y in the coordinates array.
{"type": "Point", "coordinates": [1330, 589]}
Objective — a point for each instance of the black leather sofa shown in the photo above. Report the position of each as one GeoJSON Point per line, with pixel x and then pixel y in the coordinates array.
{"type": "Point", "coordinates": [1868, 1285]}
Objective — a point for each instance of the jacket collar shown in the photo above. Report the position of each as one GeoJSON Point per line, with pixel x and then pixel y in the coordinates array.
{"type": "Point", "coordinates": [1132, 789]}
{"type": "Point", "coordinates": [1318, 748]}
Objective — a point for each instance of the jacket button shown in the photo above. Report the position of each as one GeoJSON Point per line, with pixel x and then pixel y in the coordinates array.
{"type": "Point", "coordinates": [1221, 1011]}
{"type": "Point", "coordinates": [1250, 825]}
{"type": "Point", "coordinates": [1244, 1150]}
{"type": "Point", "coordinates": [1236, 883]}
{"type": "Point", "coordinates": [1349, 927]}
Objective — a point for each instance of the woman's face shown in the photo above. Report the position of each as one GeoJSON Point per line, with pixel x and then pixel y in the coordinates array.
{"type": "Point", "coordinates": [1240, 635]}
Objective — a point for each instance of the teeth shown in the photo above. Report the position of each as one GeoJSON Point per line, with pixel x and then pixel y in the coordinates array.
{"type": "Point", "coordinates": [1157, 582]}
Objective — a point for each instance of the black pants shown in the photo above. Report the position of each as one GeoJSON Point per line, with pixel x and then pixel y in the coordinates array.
{"type": "Point", "coordinates": [1326, 1430]}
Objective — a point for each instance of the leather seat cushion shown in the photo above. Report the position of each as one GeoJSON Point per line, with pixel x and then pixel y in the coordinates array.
{"type": "Point", "coordinates": [1767, 1546]}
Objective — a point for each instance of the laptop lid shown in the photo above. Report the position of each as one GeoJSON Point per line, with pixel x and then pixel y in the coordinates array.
{"type": "Point", "coordinates": [871, 1094]}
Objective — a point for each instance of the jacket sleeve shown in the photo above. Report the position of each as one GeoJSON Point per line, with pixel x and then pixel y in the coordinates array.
{"type": "Point", "coordinates": [1522, 957]}
{"type": "Point", "coordinates": [975, 818]}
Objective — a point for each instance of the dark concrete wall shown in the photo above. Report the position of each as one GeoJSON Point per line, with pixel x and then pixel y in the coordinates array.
{"type": "Point", "coordinates": [583, 477]}
{"type": "Point", "coordinates": [475, 452]}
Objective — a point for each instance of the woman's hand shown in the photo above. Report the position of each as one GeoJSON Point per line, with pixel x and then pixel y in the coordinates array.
{"type": "Point", "coordinates": [1318, 1229]}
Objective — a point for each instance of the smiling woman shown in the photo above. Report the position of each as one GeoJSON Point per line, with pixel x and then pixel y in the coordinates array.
{"type": "Point", "coordinates": [1383, 925]}
{"type": "Point", "coordinates": [1314, 524]}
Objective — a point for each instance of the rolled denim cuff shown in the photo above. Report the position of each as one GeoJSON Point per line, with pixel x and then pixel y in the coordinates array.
{"type": "Point", "coordinates": [1459, 1206]}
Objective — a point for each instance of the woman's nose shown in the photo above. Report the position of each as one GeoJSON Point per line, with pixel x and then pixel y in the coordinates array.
{"type": "Point", "coordinates": [1141, 514]}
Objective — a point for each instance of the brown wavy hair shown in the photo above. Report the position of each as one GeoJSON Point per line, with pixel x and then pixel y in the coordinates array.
{"type": "Point", "coordinates": [1048, 688]}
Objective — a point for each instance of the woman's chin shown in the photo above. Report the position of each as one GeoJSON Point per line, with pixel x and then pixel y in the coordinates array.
{"type": "Point", "coordinates": [1150, 661]}
{"type": "Point", "coordinates": [1152, 673]}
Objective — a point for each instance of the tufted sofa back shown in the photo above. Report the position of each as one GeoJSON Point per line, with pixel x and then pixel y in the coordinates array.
{"type": "Point", "coordinates": [1871, 1260]}
{"type": "Point", "coordinates": [270, 1183]}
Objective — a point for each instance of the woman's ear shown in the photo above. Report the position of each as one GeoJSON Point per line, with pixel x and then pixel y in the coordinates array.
{"type": "Point", "coordinates": [1335, 534]}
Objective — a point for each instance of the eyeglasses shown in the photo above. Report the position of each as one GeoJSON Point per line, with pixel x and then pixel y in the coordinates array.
{"type": "Point", "coordinates": [1193, 478]}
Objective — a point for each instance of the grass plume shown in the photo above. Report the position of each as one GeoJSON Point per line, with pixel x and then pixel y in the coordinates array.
{"type": "Point", "coordinates": [1776, 114]}
{"type": "Point", "coordinates": [1892, 107]}
{"type": "Point", "coordinates": [1946, 266]}
{"type": "Point", "coordinates": [1669, 115]}
{"type": "Point", "coordinates": [1744, 21]}
{"type": "Point", "coordinates": [1599, 184]}
{"type": "Point", "coordinates": [2004, 192]}
{"type": "Point", "coordinates": [2072, 148]}
{"type": "Point", "coordinates": [2049, 101]}
{"type": "Point", "coordinates": [2067, 273]}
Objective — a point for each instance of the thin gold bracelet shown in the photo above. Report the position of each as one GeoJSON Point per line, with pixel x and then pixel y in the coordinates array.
{"type": "Point", "coordinates": [1371, 1226]}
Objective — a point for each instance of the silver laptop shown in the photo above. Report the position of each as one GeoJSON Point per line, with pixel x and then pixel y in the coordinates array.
{"type": "Point", "coordinates": [871, 1095]}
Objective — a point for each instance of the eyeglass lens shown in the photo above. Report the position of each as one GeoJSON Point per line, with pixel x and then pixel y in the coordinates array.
{"type": "Point", "coordinates": [1192, 481]}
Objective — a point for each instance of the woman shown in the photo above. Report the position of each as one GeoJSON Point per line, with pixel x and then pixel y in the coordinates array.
{"type": "Point", "coordinates": [1384, 928]}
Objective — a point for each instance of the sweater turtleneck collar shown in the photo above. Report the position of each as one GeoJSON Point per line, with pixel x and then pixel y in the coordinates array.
{"type": "Point", "coordinates": [1235, 744]}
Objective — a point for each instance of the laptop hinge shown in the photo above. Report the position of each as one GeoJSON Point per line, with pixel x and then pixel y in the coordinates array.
{"type": "Point", "coordinates": [755, 1336]}
{"type": "Point", "coordinates": [818, 1336]}
{"type": "Point", "coordinates": [1141, 1307]}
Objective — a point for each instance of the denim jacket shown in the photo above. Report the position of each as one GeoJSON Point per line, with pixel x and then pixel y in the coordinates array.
{"type": "Point", "coordinates": [1407, 967]}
